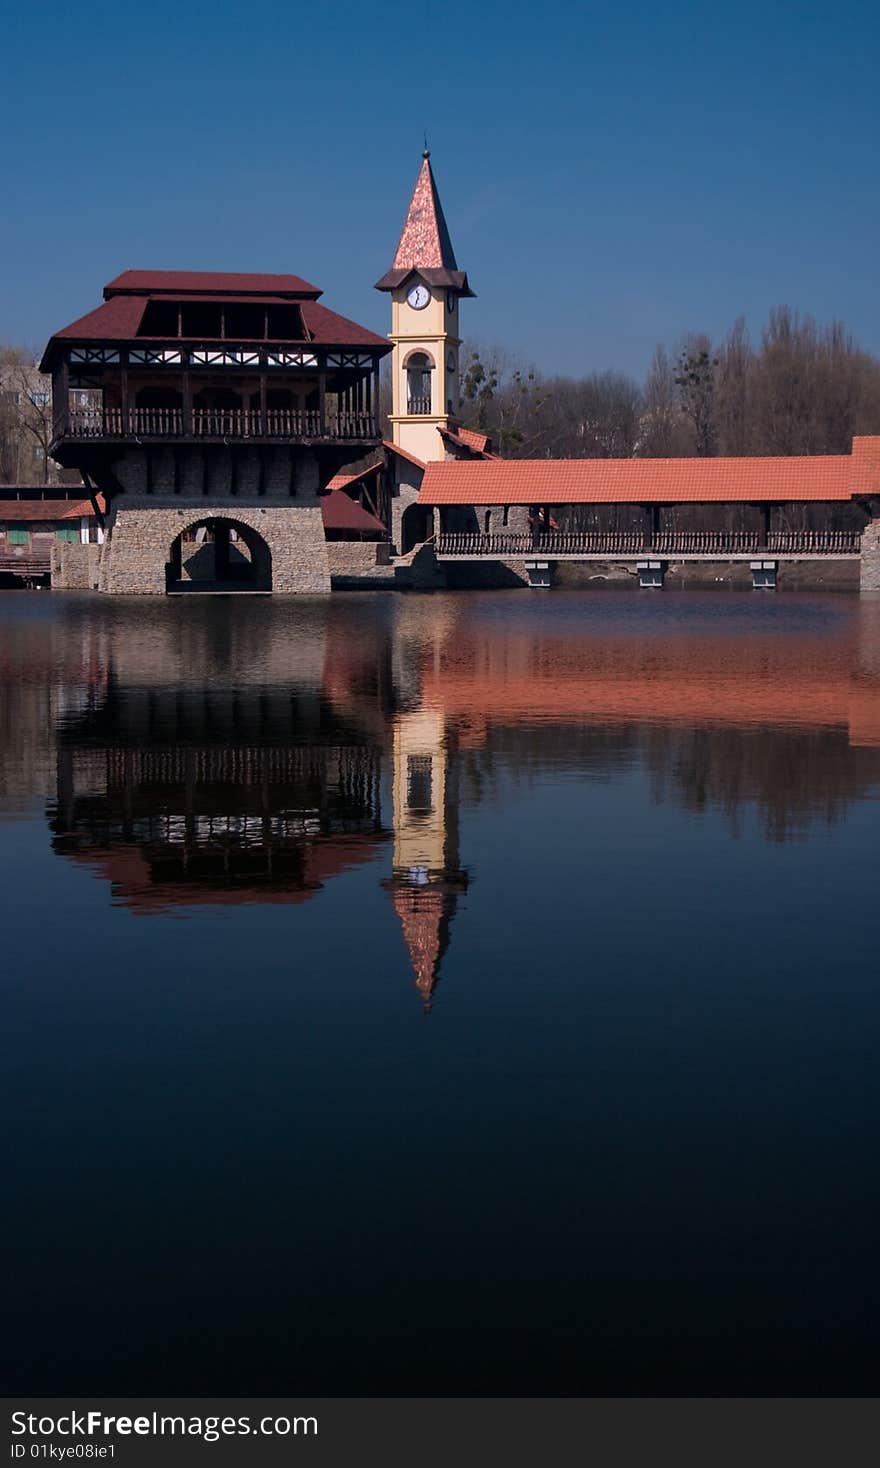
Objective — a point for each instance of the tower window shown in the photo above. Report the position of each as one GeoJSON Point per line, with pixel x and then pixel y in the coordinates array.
{"type": "Point", "coordinates": [418, 782]}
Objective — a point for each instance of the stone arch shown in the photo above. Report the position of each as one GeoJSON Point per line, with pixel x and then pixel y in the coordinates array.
{"type": "Point", "coordinates": [415, 354]}
{"type": "Point", "coordinates": [232, 556]}
{"type": "Point", "coordinates": [416, 526]}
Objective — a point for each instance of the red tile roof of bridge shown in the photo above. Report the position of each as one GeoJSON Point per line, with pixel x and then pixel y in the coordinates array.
{"type": "Point", "coordinates": [654, 481]}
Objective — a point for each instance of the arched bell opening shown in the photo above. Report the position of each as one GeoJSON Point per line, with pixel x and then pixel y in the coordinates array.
{"type": "Point", "coordinates": [218, 554]}
{"type": "Point", "coordinates": [419, 367]}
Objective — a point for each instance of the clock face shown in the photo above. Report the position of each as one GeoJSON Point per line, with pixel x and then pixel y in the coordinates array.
{"type": "Point", "coordinates": [418, 296]}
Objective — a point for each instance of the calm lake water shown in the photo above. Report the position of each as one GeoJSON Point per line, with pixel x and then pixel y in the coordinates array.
{"type": "Point", "coordinates": [441, 995]}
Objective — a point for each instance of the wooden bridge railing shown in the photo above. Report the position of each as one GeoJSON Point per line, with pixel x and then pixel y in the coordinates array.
{"type": "Point", "coordinates": [603, 543]}
{"type": "Point", "coordinates": [235, 423]}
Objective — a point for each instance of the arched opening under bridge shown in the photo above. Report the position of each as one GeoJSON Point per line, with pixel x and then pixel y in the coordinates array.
{"type": "Point", "coordinates": [218, 553]}
{"type": "Point", "coordinates": [416, 526]}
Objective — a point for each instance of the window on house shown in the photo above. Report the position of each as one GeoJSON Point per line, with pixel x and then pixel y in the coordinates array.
{"type": "Point", "coordinates": [18, 535]}
{"type": "Point", "coordinates": [40, 399]}
{"type": "Point", "coordinates": [67, 533]}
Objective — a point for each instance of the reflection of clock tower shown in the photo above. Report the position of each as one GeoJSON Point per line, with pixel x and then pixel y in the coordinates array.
{"type": "Point", "coordinates": [427, 878]}
{"type": "Point", "coordinates": [425, 285]}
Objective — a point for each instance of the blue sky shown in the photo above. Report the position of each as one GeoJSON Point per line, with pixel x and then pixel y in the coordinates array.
{"type": "Point", "coordinates": [612, 174]}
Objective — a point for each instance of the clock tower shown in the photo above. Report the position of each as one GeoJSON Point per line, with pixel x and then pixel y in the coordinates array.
{"type": "Point", "coordinates": [425, 285]}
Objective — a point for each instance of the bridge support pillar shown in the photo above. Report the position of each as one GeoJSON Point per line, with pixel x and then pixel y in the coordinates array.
{"type": "Point", "coordinates": [869, 567]}
{"type": "Point", "coordinates": [764, 574]}
{"type": "Point", "coordinates": [652, 573]}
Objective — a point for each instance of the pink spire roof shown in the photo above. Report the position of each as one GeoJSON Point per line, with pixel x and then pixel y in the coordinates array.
{"type": "Point", "coordinates": [424, 239]}
{"type": "Point", "coordinates": [424, 245]}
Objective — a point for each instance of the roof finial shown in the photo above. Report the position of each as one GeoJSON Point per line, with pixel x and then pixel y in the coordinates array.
{"type": "Point", "coordinates": [426, 151]}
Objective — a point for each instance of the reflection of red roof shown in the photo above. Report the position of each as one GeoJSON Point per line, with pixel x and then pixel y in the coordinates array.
{"type": "Point", "coordinates": [340, 512]}
{"type": "Point", "coordinates": [691, 677]}
{"type": "Point", "coordinates": [651, 481]}
{"type": "Point", "coordinates": [421, 912]}
{"type": "Point", "coordinates": [127, 868]}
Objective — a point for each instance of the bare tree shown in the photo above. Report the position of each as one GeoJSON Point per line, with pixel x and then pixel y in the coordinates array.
{"type": "Point", "coordinates": [25, 418]}
{"type": "Point", "coordinates": [662, 434]}
{"type": "Point", "coordinates": [695, 380]}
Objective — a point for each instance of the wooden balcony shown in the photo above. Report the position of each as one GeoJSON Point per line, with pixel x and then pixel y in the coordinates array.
{"type": "Point", "coordinates": [276, 425]}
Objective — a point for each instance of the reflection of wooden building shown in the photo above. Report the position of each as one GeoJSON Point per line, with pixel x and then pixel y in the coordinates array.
{"type": "Point", "coordinates": [214, 796]}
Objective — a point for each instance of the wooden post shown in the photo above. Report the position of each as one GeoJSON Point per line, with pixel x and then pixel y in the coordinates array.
{"type": "Point", "coordinates": [61, 408]}
{"type": "Point", "coordinates": [264, 426]}
{"type": "Point", "coordinates": [768, 519]}
{"type": "Point", "coordinates": [322, 396]}
{"type": "Point", "coordinates": [123, 391]}
{"type": "Point", "coordinates": [656, 522]}
{"type": "Point", "coordinates": [374, 405]}
{"type": "Point", "coordinates": [187, 405]}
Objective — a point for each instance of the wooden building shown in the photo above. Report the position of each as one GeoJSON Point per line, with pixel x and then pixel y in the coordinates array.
{"type": "Point", "coordinates": [224, 401]}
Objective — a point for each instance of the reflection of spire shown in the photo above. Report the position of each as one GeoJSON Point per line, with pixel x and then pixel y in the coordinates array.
{"type": "Point", "coordinates": [427, 877]}
{"type": "Point", "coordinates": [425, 914]}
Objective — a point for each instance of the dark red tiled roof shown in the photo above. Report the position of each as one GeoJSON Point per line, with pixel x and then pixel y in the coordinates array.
{"type": "Point", "coordinates": [116, 320]}
{"type": "Point", "coordinates": [119, 319]}
{"type": "Point", "coordinates": [340, 512]}
{"type": "Point", "coordinates": [32, 510]}
{"type": "Point", "coordinates": [208, 283]}
{"type": "Point", "coordinates": [651, 481]}
{"type": "Point", "coordinates": [329, 328]}
{"type": "Point", "coordinates": [339, 481]}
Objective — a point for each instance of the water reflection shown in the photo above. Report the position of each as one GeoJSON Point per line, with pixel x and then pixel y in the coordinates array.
{"type": "Point", "coordinates": [623, 849]}
{"type": "Point", "coordinates": [227, 755]}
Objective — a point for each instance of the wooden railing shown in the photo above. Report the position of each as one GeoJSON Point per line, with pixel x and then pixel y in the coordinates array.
{"type": "Point", "coordinates": [815, 542]}
{"type": "Point", "coordinates": [601, 543]}
{"type": "Point", "coordinates": [235, 423]}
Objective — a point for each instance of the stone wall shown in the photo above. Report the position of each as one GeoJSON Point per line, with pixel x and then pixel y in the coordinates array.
{"type": "Point", "coordinates": [360, 560]}
{"type": "Point", "coordinates": [75, 567]}
{"type": "Point", "coordinates": [143, 528]}
{"type": "Point", "coordinates": [870, 560]}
